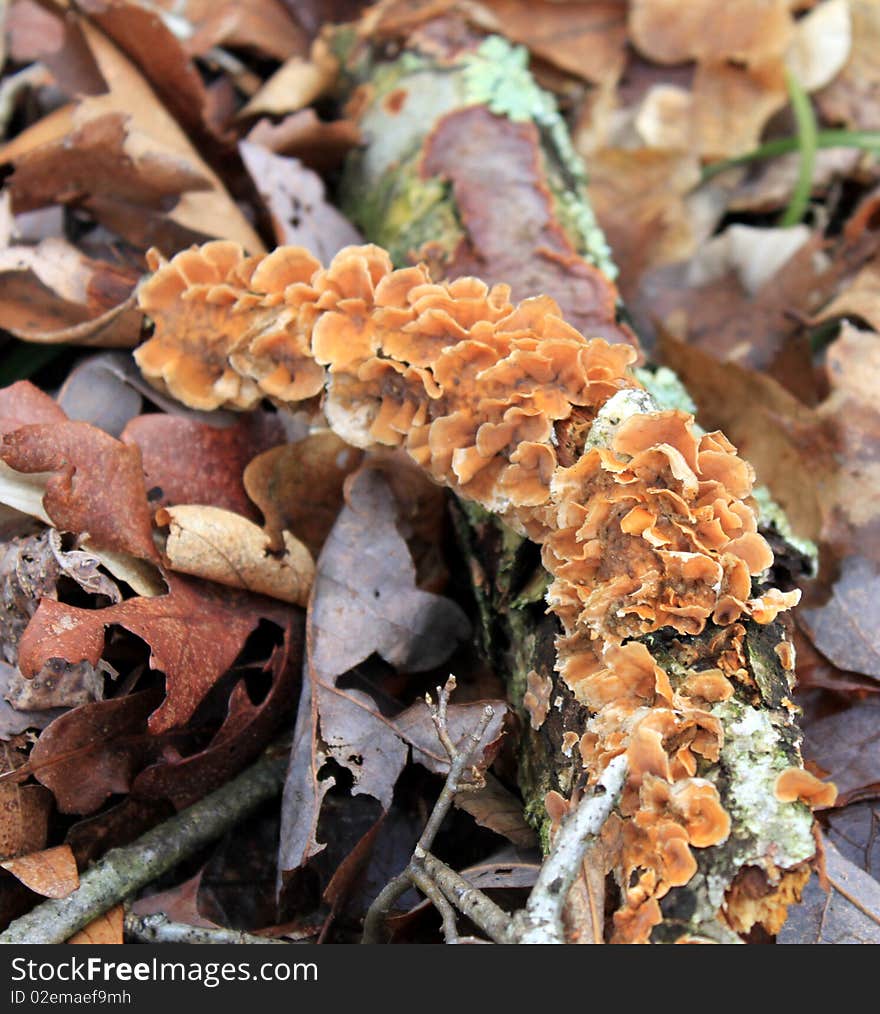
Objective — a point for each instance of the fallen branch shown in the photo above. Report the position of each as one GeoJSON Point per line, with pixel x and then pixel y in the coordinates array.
{"type": "Point", "coordinates": [157, 928]}
{"type": "Point", "coordinates": [124, 871]}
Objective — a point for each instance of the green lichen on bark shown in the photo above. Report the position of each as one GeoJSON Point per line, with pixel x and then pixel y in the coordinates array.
{"type": "Point", "coordinates": [383, 190]}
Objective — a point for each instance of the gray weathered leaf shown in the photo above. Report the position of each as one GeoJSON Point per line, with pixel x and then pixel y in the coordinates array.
{"type": "Point", "coordinates": [848, 914]}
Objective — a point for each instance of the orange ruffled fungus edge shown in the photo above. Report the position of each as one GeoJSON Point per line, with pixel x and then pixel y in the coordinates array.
{"type": "Point", "coordinates": [651, 527]}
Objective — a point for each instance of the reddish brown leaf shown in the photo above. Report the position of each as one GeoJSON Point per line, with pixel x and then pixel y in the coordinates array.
{"type": "Point", "coordinates": [52, 872]}
{"type": "Point", "coordinates": [22, 403]}
{"type": "Point", "coordinates": [179, 903]}
{"type": "Point", "coordinates": [500, 810]}
{"type": "Point", "coordinates": [107, 738]}
{"type": "Point", "coordinates": [24, 818]}
{"type": "Point", "coordinates": [260, 25]}
{"type": "Point", "coordinates": [107, 156]}
{"type": "Point", "coordinates": [146, 40]}
{"type": "Point", "coordinates": [319, 144]}
{"type": "Point", "coordinates": [95, 485]}
{"type": "Point", "coordinates": [186, 461]}
{"type": "Point", "coordinates": [587, 40]}
{"type": "Point", "coordinates": [52, 292]}
{"type": "Point", "coordinates": [244, 733]}
{"type": "Point", "coordinates": [195, 633]}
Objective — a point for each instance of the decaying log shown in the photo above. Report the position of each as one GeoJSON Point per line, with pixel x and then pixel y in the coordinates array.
{"type": "Point", "coordinates": [664, 642]}
{"type": "Point", "coordinates": [422, 207]}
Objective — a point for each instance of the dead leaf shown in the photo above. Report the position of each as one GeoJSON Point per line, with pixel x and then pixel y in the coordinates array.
{"type": "Point", "coordinates": [210, 472]}
{"type": "Point", "coordinates": [851, 98]}
{"type": "Point", "coordinates": [87, 483]}
{"type": "Point", "coordinates": [53, 293]}
{"type": "Point", "coordinates": [848, 914]}
{"type": "Point", "coordinates": [844, 628]}
{"type": "Point", "coordinates": [219, 545]}
{"type": "Point", "coordinates": [746, 31]}
{"type": "Point", "coordinates": [638, 196]}
{"type": "Point", "coordinates": [364, 600]}
{"type": "Point", "coordinates": [96, 391]}
{"type": "Point", "coordinates": [146, 39]}
{"type": "Point", "coordinates": [846, 745]}
{"type": "Point", "coordinates": [51, 873]}
{"type": "Point", "coordinates": [260, 25]}
{"type": "Point", "coordinates": [195, 632]}
{"type": "Point", "coordinates": [105, 154]}
{"type": "Point", "coordinates": [179, 903]}
{"type": "Point", "coordinates": [853, 830]}
{"type": "Point", "coordinates": [108, 739]}
{"type": "Point", "coordinates": [820, 44]}
{"type": "Point", "coordinates": [319, 144]}
{"type": "Point", "coordinates": [244, 733]}
{"type": "Point", "coordinates": [498, 809]}
{"type": "Point", "coordinates": [732, 104]}
{"type": "Point", "coordinates": [294, 198]}
{"type": "Point", "coordinates": [587, 40]}
{"type": "Point", "coordinates": [777, 433]}
{"type": "Point", "coordinates": [24, 818]}
{"type": "Point", "coordinates": [859, 298]}
{"type": "Point", "coordinates": [298, 486]}
{"type": "Point", "coordinates": [296, 84]}
{"type": "Point", "coordinates": [106, 929]}
{"type": "Point", "coordinates": [494, 165]}
{"type": "Point", "coordinates": [158, 139]}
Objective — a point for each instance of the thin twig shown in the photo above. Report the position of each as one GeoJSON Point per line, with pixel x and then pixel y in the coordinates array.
{"type": "Point", "coordinates": [541, 920]}
{"type": "Point", "coordinates": [471, 901]}
{"type": "Point", "coordinates": [157, 928]}
{"type": "Point", "coordinates": [125, 870]}
{"type": "Point", "coordinates": [414, 874]}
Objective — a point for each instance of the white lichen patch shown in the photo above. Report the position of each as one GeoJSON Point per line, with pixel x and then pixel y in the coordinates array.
{"type": "Point", "coordinates": [754, 755]}
{"type": "Point", "coordinates": [616, 410]}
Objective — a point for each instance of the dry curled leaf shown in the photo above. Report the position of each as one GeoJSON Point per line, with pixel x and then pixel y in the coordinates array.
{"type": "Point", "coordinates": [52, 293]}
{"type": "Point", "coordinates": [52, 872]}
{"type": "Point", "coordinates": [222, 546]}
{"type": "Point", "coordinates": [79, 479]}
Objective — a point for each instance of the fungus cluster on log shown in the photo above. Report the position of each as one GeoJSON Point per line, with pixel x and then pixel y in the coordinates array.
{"type": "Point", "coordinates": [645, 524]}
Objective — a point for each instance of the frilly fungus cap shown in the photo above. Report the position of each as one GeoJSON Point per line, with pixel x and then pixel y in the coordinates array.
{"type": "Point", "coordinates": [646, 524]}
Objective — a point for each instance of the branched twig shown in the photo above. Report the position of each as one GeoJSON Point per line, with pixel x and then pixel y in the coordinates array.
{"type": "Point", "coordinates": [541, 920]}
{"type": "Point", "coordinates": [414, 873]}
{"type": "Point", "coordinates": [157, 928]}
{"type": "Point", "coordinates": [125, 870]}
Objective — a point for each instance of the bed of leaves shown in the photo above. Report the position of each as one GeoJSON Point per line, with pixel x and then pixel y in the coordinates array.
{"type": "Point", "coordinates": [162, 571]}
